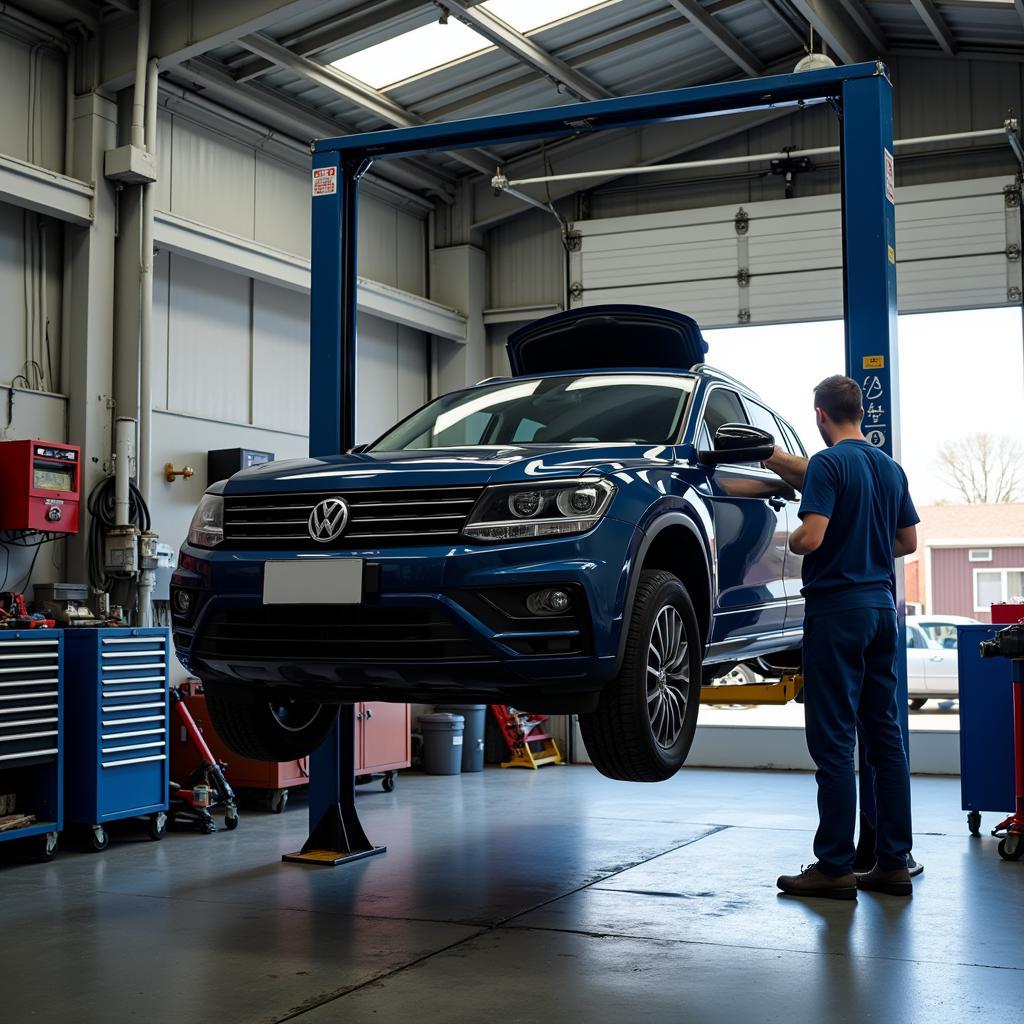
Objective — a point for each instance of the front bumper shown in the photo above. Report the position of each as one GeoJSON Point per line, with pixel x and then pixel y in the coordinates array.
{"type": "Point", "coordinates": [423, 631]}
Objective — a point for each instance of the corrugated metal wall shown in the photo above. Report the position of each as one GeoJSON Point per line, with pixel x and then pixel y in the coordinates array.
{"type": "Point", "coordinates": [235, 350]}
{"type": "Point", "coordinates": [32, 87]}
{"type": "Point", "coordinates": [211, 178]}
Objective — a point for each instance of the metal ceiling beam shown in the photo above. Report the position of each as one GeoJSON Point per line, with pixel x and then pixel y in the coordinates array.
{"type": "Point", "coordinates": [526, 50]}
{"type": "Point", "coordinates": [356, 92]}
{"type": "Point", "coordinates": [330, 32]}
{"type": "Point", "coordinates": [838, 29]}
{"type": "Point", "coordinates": [368, 99]}
{"type": "Point", "coordinates": [867, 24]}
{"type": "Point", "coordinates": [714, 30]}
{"type": "Point", "coordinates": [181, 31]}
{"type": "Point", "coordinates": [301, 122]}
{"type": "Point", "coordinates": [936, 24]}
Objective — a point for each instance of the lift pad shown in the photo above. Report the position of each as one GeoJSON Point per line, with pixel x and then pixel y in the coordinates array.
{"type": "Point", "coordinates": [781, 692]}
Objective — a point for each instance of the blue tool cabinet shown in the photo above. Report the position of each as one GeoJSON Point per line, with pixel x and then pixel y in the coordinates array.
{"type": "Point", "coordinates": [986, 727]}
{"type": "Point", "coordinates": [116, 765]}
{"type": "Point", "coordinates": [31, 724]}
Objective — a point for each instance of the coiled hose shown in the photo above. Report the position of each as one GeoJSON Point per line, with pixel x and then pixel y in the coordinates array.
{"type": "Point", "coordinates": [102, 514]}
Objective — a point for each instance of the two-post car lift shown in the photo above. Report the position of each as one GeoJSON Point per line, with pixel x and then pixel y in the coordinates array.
{"type": "Point", "coordinates": [861, 95]}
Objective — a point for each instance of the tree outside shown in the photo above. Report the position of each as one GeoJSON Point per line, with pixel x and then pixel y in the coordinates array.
{"type": "Point", "coordinates": [983, 468]}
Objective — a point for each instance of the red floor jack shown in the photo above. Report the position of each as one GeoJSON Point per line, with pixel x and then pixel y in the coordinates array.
{"type": "Point", "coordinates": [1009, 643]}
{"type": "Point", "coordinates": [206, 786]}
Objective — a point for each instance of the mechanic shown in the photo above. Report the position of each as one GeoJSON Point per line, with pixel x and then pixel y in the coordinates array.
{"type": "Point", "coordinates": [856, 517]}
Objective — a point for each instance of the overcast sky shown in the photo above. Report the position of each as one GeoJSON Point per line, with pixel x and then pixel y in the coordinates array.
{"type": "Point", "coordinates": [960, 373]}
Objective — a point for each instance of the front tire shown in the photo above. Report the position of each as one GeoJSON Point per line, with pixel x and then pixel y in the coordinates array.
{"type": "Point", "coordinates": [645, 721]}
{"type": "Point", "coordinates": [270, 730]}
{"type": "Point", "coordinates": [916, 703]}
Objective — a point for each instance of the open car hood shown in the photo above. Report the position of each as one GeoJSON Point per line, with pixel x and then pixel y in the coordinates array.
{"type": "Point", "coordinates": [612, 337]}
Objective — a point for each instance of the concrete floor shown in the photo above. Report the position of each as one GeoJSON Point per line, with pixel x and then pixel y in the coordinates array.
{"type": "Point", "coordinates": [514, 897]}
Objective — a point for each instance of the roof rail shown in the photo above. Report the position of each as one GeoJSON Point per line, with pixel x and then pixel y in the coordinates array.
{"type": "Point", "coordinates": [708, 368]}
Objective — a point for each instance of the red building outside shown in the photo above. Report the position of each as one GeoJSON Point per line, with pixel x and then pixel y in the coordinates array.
{"type": "Point", "coordinates": [968, 557]}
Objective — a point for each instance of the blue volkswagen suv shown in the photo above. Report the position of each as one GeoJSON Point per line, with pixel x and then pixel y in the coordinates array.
{"type": "Point", "coordinates": [594, 535]}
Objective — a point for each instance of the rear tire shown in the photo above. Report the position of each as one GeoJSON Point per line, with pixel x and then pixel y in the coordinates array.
{"type": "Point", "coordinates": [270, 730]}
{"type": "Point", "coordinates": [645, 721]}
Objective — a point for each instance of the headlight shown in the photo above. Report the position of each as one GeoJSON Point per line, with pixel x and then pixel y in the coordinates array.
{"type": "Point", "coordinates": [541, 510]}
{"type": "Point", "coordinates": [207, 527]}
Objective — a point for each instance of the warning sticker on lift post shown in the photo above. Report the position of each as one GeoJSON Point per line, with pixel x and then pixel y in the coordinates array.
{"type": "Point", "coordinates": [890, 177]}
{"type": "Point", "coordinates": [325, 181]}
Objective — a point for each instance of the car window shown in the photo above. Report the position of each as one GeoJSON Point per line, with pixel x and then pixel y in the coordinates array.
{"type": "Point", "coordinates": [915, 639]}
{"type": "Point", "coordinates": [941, 634]}
{"type": "Point", "coordinates": [761, 418]}
{"type": "Point", "coordinates": [793, 441]}
{"type": "Point", "coordinates": [723, 406]}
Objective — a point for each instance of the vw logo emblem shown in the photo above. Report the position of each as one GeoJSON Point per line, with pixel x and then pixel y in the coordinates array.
{"type": "Point", "coordinates": [328, 520]}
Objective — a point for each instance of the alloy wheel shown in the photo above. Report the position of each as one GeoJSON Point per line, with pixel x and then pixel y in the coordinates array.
{"type": "Point", "coordinates": [668, 676]}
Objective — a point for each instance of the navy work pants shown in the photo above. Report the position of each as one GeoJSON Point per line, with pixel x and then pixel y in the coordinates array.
{"type": "Point", "coordinates": [849, 667]}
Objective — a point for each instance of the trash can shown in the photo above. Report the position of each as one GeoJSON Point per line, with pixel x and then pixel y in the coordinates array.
{"type": "Point", "coordinates": [442, 743]}
{"type": "Point", "coordinates": [475, 716]}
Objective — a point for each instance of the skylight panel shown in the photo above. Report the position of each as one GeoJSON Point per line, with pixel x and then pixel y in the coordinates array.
{"type": "Point", "coordinates": [527, 15]}
{"type": "Point", "coordinates": [412, 53]}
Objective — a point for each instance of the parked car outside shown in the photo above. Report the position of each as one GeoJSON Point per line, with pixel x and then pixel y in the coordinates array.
{"type": "Point", "coordinates": [932, 657]}
{"type": "Point", "coordinates": [584, 536]}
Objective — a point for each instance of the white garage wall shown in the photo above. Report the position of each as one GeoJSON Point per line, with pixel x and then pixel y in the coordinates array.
{"type": "Point", "coordinates": [212, 178]}
{"type": "Point", "coordinates": [32, 86]}
{"type": "Point", "coordinates": [30, 255]}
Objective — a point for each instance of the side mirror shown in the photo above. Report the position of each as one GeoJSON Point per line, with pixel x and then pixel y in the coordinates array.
{"type": "Point", "coordinates": [739, 442]}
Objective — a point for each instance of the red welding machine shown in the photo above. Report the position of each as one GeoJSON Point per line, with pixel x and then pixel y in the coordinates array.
{"type": "Point", "coordinates": [40, 484]}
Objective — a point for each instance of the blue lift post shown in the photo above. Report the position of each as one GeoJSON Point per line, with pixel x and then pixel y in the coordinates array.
{"type": "Point", "coordinates": [862, 96]}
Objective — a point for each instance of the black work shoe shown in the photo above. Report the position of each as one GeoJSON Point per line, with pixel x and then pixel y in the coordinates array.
{"type": "Point", "coordinates": [812, 882]}
{"type": "Point", "coordinates": [895, 882]}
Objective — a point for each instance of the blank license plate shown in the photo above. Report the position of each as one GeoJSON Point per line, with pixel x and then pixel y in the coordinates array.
{"type": "Point", "coordinates": [313, 581]}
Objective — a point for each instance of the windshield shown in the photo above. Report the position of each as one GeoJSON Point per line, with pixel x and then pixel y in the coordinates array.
{"type": "Point", "coordinates": [633, 408]}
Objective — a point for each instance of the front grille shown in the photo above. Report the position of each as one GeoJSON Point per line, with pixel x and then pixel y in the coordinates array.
{"type": "Point", "coordinates": [334, 633]}
{"type": "Point", "coordinates": [392, 518]}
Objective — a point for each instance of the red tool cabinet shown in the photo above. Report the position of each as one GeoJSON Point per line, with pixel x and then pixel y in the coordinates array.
{"type": "Point", "coordinates": [382, 747]}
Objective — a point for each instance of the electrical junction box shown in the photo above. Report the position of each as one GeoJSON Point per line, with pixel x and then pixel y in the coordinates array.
{"type": "Point", "coordinates": [40, 483]}
{"type": "Point", "coordinates": [129, 165]}
{"type": "Point", "coordinates": [224, 462]}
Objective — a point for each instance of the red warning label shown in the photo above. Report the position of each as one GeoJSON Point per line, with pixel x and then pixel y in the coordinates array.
{"type": "Point", "coordinates": [325, 181]}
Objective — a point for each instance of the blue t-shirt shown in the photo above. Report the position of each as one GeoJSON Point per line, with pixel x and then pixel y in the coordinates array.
{"type": "Point", "coordinates": [865, 495]}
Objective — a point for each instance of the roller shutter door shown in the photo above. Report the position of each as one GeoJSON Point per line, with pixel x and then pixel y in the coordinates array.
{"type": "Point", "coordinates": [957, 247]}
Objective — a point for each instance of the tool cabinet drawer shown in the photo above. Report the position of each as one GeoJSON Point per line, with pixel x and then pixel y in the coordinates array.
{"type": "Point", "coordinates": [29, 700]}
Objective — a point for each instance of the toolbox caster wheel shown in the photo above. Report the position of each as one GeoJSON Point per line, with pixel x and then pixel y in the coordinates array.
{"type": "Point", "coordinates": [46, 846]}
{"type": "Point", "coordinates": [974, 823]}
{"type": "Point", "coordinates": [1011, 848]}
{"type": "Point", "coordinates": [99, 840]}
{"type": "Point", "coordinates": [231, 820]}
{"type": "Point", "coordinates": [278, 801]}
{"type": "Point", "coordinates": [158, 826]}
{"type": "Point", "coordinates": [389, 781]}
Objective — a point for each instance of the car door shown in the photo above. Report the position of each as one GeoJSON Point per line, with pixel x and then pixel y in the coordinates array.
{"type": "Point", "coordinates": [941, 667]}
{"type": "Point", "coordinates": [917, 659]}
{"type": "Point", "coordinates": [751, 532]}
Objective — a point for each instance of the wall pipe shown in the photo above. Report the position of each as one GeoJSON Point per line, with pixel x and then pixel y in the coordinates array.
{"type": "Point", "coordinates": [726, 161]}
{"type": "Point", "coordinates": [139, 87]}
{"type": "Point", "coordinates": [146, 296]}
